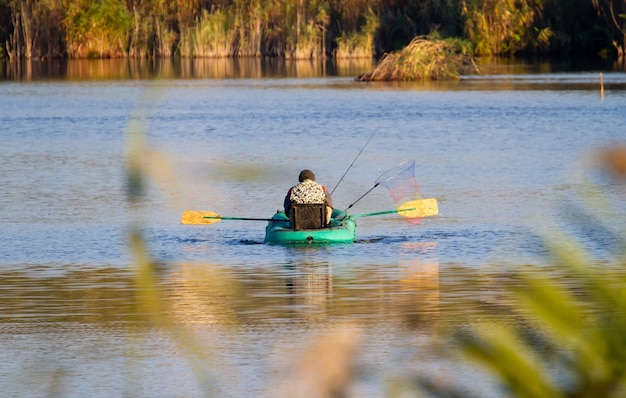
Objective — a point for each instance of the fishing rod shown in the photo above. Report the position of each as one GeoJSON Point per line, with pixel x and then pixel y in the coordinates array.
{"type": "Point", "coordinates": [357, 156]}
{"type": "Point", "coordinates": [344, 213]}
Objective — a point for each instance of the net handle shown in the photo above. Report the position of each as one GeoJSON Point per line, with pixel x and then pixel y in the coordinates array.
{"type": "Point", "coordinates": [378, 180]}
{"type": "Point", "coordinates": [362, 196]}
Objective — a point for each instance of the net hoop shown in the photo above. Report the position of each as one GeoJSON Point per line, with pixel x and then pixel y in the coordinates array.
{"type": "Point", "coordinates": [394, 172]}
{"type": "Point", "coordinates": [401, 183]}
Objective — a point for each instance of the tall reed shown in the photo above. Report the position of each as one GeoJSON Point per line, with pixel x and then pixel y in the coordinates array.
{"type": "Point", "coordinates": [568, 340]}
{"type": "Point", "coordinates": [97, 29]}
{"type": "Point", "coordinates": [504, 27]}
{"type": "Point", "coordinates": [36, 31]}
{"type": "Point", "coordinates": [359, 44]}
{"type": "Point", "coordinates": [211, 36]}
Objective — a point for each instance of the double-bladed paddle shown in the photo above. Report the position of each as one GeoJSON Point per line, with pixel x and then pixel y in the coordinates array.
{"type": "Point", "coordinates": [412, 209]}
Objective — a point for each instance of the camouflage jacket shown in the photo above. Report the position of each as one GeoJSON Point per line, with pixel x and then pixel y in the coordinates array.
{"type": "Point", "coordinates": [307, 192]}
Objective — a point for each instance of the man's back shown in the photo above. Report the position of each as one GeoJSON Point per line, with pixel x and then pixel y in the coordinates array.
{"type": "Point", "coordinates": [308, 192]}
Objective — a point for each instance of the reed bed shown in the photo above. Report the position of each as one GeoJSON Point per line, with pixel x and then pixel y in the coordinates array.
{"type": "Point", "coordinates": [357, 46]}
{"type": "Point", "coordinates": [212, 36]}
{"type": "Point", "coordinates": [309, 44]}
{"type": "Point", "coordinates": [116, 28]}
{"type": "Point", "coordinates": [360, 43]}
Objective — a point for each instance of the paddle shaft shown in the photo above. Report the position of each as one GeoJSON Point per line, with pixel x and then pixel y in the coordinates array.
{"type": "Point", "coordinates": [378, 213]}
{"type": "Point", "coordinates": [240, 218]}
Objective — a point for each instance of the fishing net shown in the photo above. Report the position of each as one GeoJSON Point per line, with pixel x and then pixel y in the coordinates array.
{"type": "Point", "coordinates": [401, 183]}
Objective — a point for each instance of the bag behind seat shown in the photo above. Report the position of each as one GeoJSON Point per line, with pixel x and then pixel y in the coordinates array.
{"type": "Point", "coordinates": [308, 216]}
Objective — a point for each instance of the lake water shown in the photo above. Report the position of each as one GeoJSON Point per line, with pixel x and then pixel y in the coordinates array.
{"type": "Point", "coordinates": [509, 156]}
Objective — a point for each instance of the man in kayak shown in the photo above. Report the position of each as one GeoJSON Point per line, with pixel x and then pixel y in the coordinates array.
{"type": "Point", "coordinates": [308, 192]}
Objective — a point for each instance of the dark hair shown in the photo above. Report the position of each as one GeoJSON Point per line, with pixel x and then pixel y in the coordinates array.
{"type": "Point", "coordinates": [306, 175]}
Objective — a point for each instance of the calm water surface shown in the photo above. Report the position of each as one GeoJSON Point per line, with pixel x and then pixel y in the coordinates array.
{"type": "Point", "coordinates": [508, 156]}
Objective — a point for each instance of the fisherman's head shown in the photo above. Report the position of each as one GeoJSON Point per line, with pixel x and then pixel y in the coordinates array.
{"type": "Point", "coordinates": [306, 175]}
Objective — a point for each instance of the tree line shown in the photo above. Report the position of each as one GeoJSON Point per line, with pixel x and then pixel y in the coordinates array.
{"type": "Point", "coordinates": [301, 29]}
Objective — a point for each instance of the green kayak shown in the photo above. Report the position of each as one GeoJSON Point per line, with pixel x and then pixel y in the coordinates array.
{"type": "Point", "coordinates": [280, 231]}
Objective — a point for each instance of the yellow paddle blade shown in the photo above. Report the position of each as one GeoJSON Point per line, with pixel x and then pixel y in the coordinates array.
{"type": "Point", "coordinates": [419, 208]}
{"type": "Point", "coordinates": [197, 217]}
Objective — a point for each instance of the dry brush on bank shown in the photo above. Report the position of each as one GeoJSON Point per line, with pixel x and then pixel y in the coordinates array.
{"type": "Point", "coordinates": [424, 58]}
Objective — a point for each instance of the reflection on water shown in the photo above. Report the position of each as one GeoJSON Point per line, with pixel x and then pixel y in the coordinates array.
{"type": "Point", "coordinates": [547, 81]}
{"type": "Point", "coordinates": [500, 73]}
{"type": "Point", "coordinates": [212, 294]}
{"type": "Point", "coordinates": [186, 68]}
{"type": "Point", "coordinates": [202, 296]}
{"type": "Point", "coordinates": [207, 294]}
{"type": "Point", "coordinates": [547, 65]}
{"type": "Point", "coordinates": [419, 278]}
{"type": "Point", "coordinates": [309, 287]}
{"type": "Point", "coordinates": [242, 315]}
{"type": "Point", "coordinates": [35, 296]}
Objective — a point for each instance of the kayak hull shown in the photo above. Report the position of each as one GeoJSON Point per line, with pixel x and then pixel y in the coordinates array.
{"type": "Point", "coordinates": [279, 231]}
